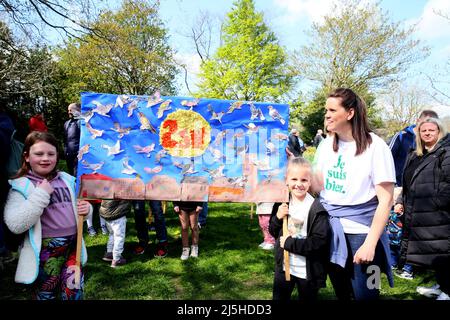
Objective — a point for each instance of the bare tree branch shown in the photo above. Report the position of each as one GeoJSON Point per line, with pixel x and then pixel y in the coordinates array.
{"type": "Point", "coordinates": [445, 99]}
{"type": "Point", "coordinates": [29, 16]}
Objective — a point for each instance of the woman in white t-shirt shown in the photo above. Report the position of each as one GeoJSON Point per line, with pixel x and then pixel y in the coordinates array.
{"type": "Point", "coordinates": [356, 175]}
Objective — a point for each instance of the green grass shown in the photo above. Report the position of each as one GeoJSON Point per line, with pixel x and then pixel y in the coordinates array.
{"type": "Point", "coordinates": [230, 265]}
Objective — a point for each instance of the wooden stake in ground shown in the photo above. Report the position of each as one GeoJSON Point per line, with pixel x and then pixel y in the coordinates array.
{"type": "Point", "coordinates": [78, 256]}
{"type": "Point", "coordinates": [164, 205]}
{"type": "Point", "coordinates": [251, 210]}
{"type": "Point", "coordinates": [287, 272]}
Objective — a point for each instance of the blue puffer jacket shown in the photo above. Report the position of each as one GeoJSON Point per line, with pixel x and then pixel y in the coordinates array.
{"type": "Point", "coordinates": [400, 145]}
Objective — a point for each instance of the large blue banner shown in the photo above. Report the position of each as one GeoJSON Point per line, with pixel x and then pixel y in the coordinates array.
{"type": "Point", "coordinates": [179, 148]}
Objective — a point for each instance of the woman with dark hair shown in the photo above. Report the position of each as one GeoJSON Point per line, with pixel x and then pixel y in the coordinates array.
{"type": "Point", "coordinates": [355, 175]}
{"type": "Point", "coordinates": [426, 206]}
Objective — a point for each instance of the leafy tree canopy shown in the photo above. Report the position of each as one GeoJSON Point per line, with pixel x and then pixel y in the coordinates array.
{"type": "Point", "coordinates": [250, 65]}
{"type": "Point", "coordinates": [358, 47]}
{"type": "Point", "coordinates": [132, 56]}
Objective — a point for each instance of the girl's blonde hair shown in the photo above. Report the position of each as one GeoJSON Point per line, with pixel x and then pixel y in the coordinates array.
{"type": "Point", "coordinates": [442, 133]}
{"type": "Point", "coordinates": [298, 162]}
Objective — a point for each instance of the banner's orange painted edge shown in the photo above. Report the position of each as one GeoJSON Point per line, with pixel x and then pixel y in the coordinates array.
{"type": "Point", "coordinates": [219, 190]}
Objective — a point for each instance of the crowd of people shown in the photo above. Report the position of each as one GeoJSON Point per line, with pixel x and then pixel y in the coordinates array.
{"type": "Point", "coordinates": [336, 224]}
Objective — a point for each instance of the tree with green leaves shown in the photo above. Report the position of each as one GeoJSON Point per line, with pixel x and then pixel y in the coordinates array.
{"type": "Point", "coordinates": [357, 46]}
{"type": "Point", "coordinates": [132, 55]}
{"type": "Point", "coordinates": [250, 65]}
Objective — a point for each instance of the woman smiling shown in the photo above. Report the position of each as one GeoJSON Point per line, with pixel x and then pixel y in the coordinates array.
{"type": "Point", "coordinates": [356, 172]}
{"type": "Point", "coordinates": [426, 206]}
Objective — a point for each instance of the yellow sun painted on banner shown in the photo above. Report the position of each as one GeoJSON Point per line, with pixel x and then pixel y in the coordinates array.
{"type": "Point", "coordinates": [185, 133]}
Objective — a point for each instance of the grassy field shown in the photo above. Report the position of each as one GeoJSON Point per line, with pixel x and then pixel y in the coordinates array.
{"type": "Point", "coordinates": [230, 265]}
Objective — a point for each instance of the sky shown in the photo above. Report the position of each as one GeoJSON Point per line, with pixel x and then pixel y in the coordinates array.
{"type": "Point", "coordinates": [290, 19]}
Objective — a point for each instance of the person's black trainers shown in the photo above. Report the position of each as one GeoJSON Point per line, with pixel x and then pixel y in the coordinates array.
{"type": "Point", "coordinates": [161, 250]}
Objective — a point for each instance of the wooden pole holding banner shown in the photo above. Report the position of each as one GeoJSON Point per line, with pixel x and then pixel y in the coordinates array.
{"type": "Point", "coordinates": [78, 254]}
{"type": "Point", "coordinates": [287, 271]}
{"type": "Point", "coordinates": [251, 210]}
{"type": "Point", "coordinates": [164, 205]}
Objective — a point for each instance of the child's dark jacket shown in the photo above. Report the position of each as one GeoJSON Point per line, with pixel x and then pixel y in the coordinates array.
{"type": "Point", "coordinates": [315, 247]}
{"type": "Point", "coordinates": [114, 209]}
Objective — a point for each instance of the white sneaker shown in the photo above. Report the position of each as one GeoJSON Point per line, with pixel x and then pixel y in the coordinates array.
{"type": "Point", "coordinates": [262, 244]}
{"type": "Point", "coordinates": [405, 275]}
{"type": "Point", "coordinates": [443, 296]}
{"type": "Point", "coordinates": [104, 229]}
{"type": "Point", "coordinates": [185, 253]}
{"type": "Point", "coordinates": [429, 292]}
{"type": "Point", "coordinates": [194, 251]}
{"type": "Point", "coordinates": [267, 246]}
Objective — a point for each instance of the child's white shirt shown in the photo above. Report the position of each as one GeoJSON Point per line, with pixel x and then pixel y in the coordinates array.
{"type": "Point", "coordinates": [298, 220]}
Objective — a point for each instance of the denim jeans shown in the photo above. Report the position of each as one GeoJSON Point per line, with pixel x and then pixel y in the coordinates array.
{"type": "Point", "coordinates": [353, 279]}
{"type": "Point", "coordinates": [140, 217]}
{"type": "Point", "coordinates": [395, 254]}
{"type": "Point", "coordinates": [203, 214]}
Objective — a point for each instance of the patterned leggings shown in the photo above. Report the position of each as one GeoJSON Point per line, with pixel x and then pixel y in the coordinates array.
{"type": "Point", "coordinates": [57, 270]}
{"type": "Point", "coordinates": [264, 220]}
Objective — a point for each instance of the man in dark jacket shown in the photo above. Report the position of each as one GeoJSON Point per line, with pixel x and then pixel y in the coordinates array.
{"type": "Point", "coordinates": [295, 147]}
{"type": "Point", "coordinates": [72, 138]}
{"type": "Point", "coordinates": [318, 138]}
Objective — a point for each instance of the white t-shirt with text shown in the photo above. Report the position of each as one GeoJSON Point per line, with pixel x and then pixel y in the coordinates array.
{"type": "Point", "coordinates": [350, 179]}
